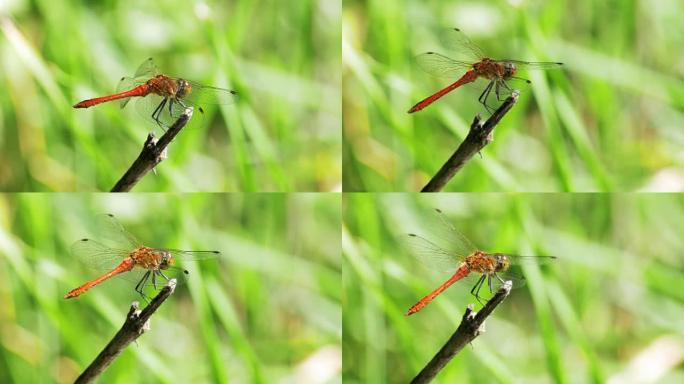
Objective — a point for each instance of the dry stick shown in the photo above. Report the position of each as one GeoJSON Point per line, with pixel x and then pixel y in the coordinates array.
{"type": "Point", "coordinates": [136, 324]}
{"type": "Point", "coordinates": [478, 137]}
{"type": "Point", "coordinates": [153, 153]}
{"type": "Point", "coordinates": [467, 331]}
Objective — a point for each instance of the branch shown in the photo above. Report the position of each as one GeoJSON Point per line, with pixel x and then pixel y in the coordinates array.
{"type": "Point", "coordinates": [136, 324]}
{"type": "Point", "coordinates": [478, 137]}
{"type": "Point", "coordinates": [471, 327]}
{"type": "Point", "coordinates": [153, 153]}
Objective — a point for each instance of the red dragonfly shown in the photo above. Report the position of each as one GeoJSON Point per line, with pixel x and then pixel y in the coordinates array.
{"type": "Point", "coordinates": [142, 264]}
{"type": "Point", "coordinates": [465, 258]}
{"type": "Point", "coordinates": [498, 72]}
{"type": "Point", "coordinates": [163, 98]}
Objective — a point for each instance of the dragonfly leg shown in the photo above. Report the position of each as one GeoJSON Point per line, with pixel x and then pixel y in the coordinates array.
{"type": "Point", "coordinates": [497, 90]}
{"type": "Point", "coordinates": [485, 93]}
{"type": "Point", "coordinates": [179, 101]}
{"type": "Point", "coordinates": [498, 278]}
{"type": "Point", "coordinates": [154, 279]}
{"type": "Point", "coordinates": [171, 103]}
{"type": "Point", "coordinates": [508, 88]}
{"type": "Point", "coordinates": [476, 288]}
{"type": "Point", "coordinates": [141, 284]}
{"type": "Point", "coordinates": [163, 275]}
{"type": "Point", "coordinates": [158, 111]}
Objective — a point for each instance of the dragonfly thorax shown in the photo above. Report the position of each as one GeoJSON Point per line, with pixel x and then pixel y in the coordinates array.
{"type": "Point", "coordinates": [482, 262]}
{"type": "Point", "coordinates": [150, 258]}
{"type": "Point", "coordinates": [493, 69]}
{"type": "Point", "coordinates": [163, 86]}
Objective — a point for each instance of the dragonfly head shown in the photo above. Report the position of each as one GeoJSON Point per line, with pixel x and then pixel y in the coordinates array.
{"type": "Point", "coordinates": [502, 262]}
{"type": "Point", "coordinates": [167, 260]}
{"type": "Point", "coordinates": [509, 70]}
{"type": "Point", "coordinates": [184, 88]}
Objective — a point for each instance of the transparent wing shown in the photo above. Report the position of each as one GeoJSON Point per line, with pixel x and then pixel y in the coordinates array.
{"type": "Point", "coordinates": [207, 95]}
{"type": "Point", "coordinates": [529, 260]}
{"type": "Point", "coordinates": [444, 248]}
{"type": "Point", "coordinates": [107, 227]}
{"type": "Point", "coordinates": [97, 255]}
{"type": "Point", "coordinates": [147, 69]}
{"type": "Point", "coordinates": [456, 241]}
{"type": "Point", "coordinates": [441, 66]}
{"type": "Point", "coordinates": [456, 40]}
{"type": "Point", "coordinates": [533, 65]}
{"type": "Point", "coordinates": [431, 254]}
{"type": "Point", "coordinates": [125, 84]}
{"type": "Point", "coordinates": [193, 255]}
{"type": "Point", "coordinates": [516, 278]}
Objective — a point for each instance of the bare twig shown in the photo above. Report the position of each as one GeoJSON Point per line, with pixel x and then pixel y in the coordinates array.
{"type": "Point", "coordinates": [470, 327]}
{"type": "Point", "coordinates": [136, 324]}
{"type": "Point", "coordinates": [153, 153]}
{"type": "Point", "coordinates": [478, 137]}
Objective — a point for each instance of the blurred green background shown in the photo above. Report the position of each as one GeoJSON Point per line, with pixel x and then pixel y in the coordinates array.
{"type": "Point", "coordinates": [610, 120]}
{"type": "Point", "coordinates": [610, 309]}
{"type": "Point", "coordinates": [282, 57]}
{"type": "Point", "coordinates": [267, 311]}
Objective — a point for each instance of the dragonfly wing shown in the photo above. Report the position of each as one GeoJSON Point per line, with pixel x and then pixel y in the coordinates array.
{"type": "Point", "coordinates": [453, 238]}
{"type": "Point", "coordinates": [431, 254]}
{"type": "Point", "coordinates": [193, 255]}
{"type": "Point", "coordinates": [516, 278]}
{"type": "Point", "coordinates": [530, 260]}
{"type": "Point", "coordinates": [207, 95]}
{"type": "Point", "coordinates": [533, 65]}
{"type": "Point", "coordinates": [441, 66]}
{"type": "Point", "coordinates": [107, 227]}
{"type": "Point", "coordinates": [97, 255]}
{"type": "Point", "coordinates": [125, 84]}
{"type": "Point", "coordinates": [457, 41]}
{"type": "Point", "coordinates": [147, 69]}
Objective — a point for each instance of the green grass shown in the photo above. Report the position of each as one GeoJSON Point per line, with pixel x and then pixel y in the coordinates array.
{"type": "Point", "coordinates": [611, 296]}
{"type": "Point", "coordinates": [283, 59]}
{"type": "Point", "coordinates": [267, 308]}
{"type": "Point", "coordinates": [609, 121]}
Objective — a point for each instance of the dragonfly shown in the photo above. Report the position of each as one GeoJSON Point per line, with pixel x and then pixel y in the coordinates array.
{"type": "Point", "coordinates": [478, 65]}
{"type": "Point", "coordinates": [462, 257]}
{"type": "Point", "coordinates": [163, 99]}
{"type": "Point", "coordinates": [129, 257]}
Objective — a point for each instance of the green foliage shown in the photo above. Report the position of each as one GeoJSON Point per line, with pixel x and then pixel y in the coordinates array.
{"type": "Point", "coordinates": [612, 297]}
{"type": "Point", "coordinates": [610, 120]}
{"type": "Point", "coordinates": [283, 58]}
{"type": "Point", "coordinates": [264, 311]}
